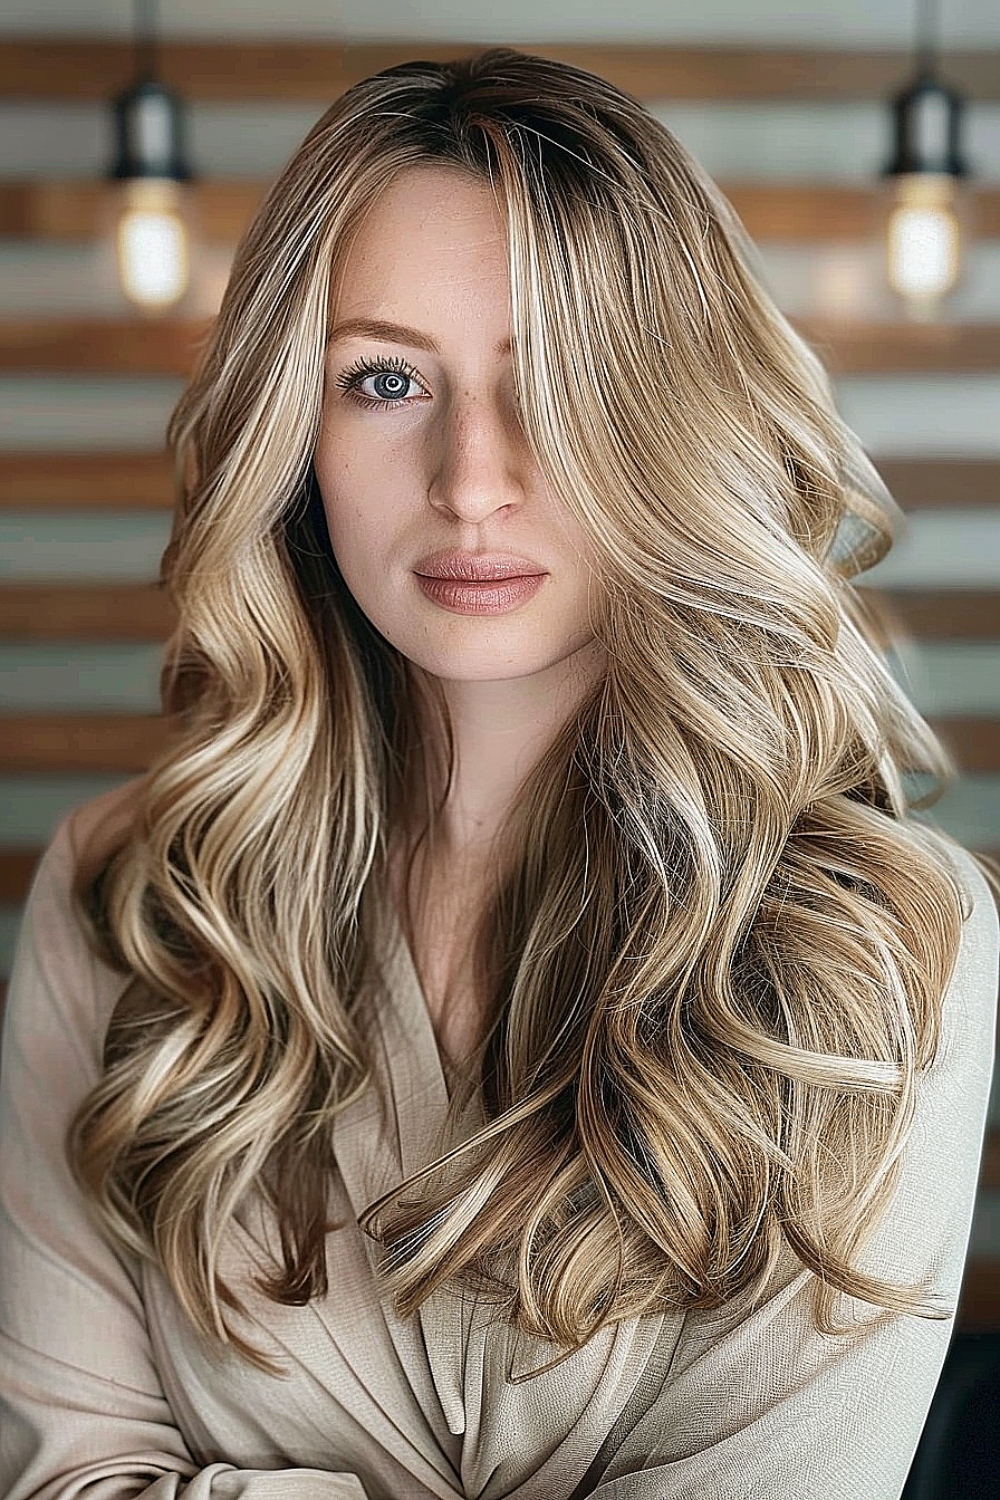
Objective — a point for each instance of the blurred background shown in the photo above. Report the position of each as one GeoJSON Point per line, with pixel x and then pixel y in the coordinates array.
{"type": "Point", "coordinates": [861, 149]}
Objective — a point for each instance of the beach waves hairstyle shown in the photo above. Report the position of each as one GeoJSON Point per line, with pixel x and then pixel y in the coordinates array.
{"type": "Point", "coordinates": [716, 959]}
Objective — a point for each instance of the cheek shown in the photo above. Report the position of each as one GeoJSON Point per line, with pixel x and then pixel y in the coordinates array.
{"type": "Point", "coordinates": [364, 519]}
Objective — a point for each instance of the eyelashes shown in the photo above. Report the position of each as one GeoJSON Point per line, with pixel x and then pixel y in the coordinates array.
{"type": "Point", "coordinates": [350, 380]}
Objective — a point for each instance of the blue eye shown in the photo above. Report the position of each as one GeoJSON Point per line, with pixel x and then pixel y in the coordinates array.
{"type": "Point", "coordinates": [399, 373]}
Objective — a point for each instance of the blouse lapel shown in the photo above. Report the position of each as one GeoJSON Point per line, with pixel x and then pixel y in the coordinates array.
{"type": "Point", "coordinates": [375, 1154]}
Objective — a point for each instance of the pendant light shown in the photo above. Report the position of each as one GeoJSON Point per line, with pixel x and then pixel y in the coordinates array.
{"type": "Point", "coordinates": [151, 225]}
{"type": "Point", "coordinates": [925, 209]}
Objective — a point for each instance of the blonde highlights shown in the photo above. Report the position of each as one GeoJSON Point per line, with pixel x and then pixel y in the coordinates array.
{"type": "Point", "coordinates": [715, 959]}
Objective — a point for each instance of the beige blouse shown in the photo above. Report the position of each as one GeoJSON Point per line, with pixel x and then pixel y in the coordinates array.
{"type": "Point", "coordinates": [105, 1392]}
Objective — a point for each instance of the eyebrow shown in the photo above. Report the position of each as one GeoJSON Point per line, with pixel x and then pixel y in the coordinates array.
{"type": "Point", "coordinates": [396, 333]}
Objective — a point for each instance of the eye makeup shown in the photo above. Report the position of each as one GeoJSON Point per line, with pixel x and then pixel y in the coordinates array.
{"type": "Point", "coordinates": [350, 379]}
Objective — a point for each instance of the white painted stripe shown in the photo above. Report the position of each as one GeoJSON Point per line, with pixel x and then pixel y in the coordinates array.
{"type": "Point", "coordinates": [52, 280]}
{"type": "Point", "coordinates": [93, 412]}
{"type": "Point", "coordinates": [853, 23]}
{"type": "Point", "coordinates": [815, 142]}
{"type": "Point", "coordinates": [940, 677]}
{"type": "Point", "coordinates": [937, 548]}
{"type": "Point", "coordinates": [114, 677]}
{"type": "Point", "coordinates": [943, 549]}
{"type": "Point", "coordinates": [954, 415]}
{"type": "Point", "coordinates": [831, 280]}
{"type": "Point", "coordinates": [969, 810]}
{"type": "Point", "coordinates": [848, 281]}
{"type": "Point", "coordinates": [950, 677]}
{"type": "Point", "coordinates": [81, 544]}
{"type": "Point", "coordinates": [924, 415]}
{"type": "Point", "coordinates": [31, 806]}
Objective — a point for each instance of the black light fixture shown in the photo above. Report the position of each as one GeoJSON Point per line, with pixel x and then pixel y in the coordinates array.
{"type": "Point", "coordinates": [926, 207]}
{"type": "Point", "coordinates": [152, 211]}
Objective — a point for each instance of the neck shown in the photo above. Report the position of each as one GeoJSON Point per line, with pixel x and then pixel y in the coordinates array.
{"type": "Point", "coordinates": [501, 729]}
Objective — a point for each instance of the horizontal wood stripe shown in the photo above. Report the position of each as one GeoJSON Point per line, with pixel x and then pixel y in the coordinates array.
{"type": "Point", "coordinates": [827, 213]}
{"type": "Point", "coordinates": [799, 212]}
{"type": "Point", "coordinates": [943, 614]}
{"type": "Point", "coordinates": [942, 483]}
{"type": "Point", "coordinates": [989, 1174]}
{"type": "Point", "coordinates": [974, 741]}
{"type": "Point", "coordinates": [144, 481]}
{"type": "Point", "coordinates": [100, 346]}
{"type": "Point", "coordinates": [142, 612]}
{"type": "Point", "coordinates": [168, 346]}
{"type": "Point", "coordinates": [90, 68]}
{"type": "Point", "coordinates": [75, 211]}
{"type": "Point", "coordinates": [37, 743]}
{"type": "Point", "coordinates": [979, 1301]}
{"type": "Point", "coordinates": [17, 866]}
{"type": "Point", "coordinates": [84, 612]}
{"type": "Point", "coordinates": [870, 348]}
{"type": "Point", "coordinates": [88, 480]}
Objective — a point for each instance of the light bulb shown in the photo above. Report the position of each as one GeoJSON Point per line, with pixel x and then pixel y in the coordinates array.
{"type": "Point", "coordinates": [151, 241]}
{"type": "Point", "coordinates": [923, 239]}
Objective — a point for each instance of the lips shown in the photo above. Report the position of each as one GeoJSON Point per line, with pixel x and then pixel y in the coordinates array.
{"type": "Point", "coordinates": [472, 567]}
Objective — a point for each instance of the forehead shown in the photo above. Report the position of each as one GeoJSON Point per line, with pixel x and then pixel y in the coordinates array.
{"type": "Point", "coordinates": [436, 233]}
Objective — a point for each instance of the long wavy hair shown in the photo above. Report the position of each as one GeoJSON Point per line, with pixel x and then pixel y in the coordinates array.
{"type": "Point", "coordinates": [714, 964]}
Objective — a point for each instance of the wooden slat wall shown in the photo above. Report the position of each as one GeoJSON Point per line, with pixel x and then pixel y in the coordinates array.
{"type": "Point", "coordinates": [126, 346]}
{"type": "Point", "coordinates": [802, 213]}
{"type": "Point", "coordinates": [88, 69]}
{"type": "Point", "coordinates": [144, 481]}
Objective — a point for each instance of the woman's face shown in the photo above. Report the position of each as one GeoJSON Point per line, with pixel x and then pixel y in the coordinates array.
{"type": "Point", "coordinates": [421, 449]}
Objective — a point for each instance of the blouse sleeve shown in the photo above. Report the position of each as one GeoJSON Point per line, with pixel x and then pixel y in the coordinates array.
{"type": "Point", "coordinates": [768, 1408]}
{"type": "Point", "coordinates": [82, 1409]}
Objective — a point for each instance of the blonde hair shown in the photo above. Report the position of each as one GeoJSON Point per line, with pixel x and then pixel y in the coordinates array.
{"type": "Point", "coordinates": [715, 963]}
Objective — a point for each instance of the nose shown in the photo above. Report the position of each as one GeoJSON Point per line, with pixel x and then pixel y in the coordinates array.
{"type": "Point", "coordinates": [482, 464]}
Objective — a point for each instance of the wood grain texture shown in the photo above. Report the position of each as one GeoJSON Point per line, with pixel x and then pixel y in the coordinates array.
{"type": "Point", "coordinates": [943, 614]}
{"type": "Point", "coordinates": [142, 480]}
{"type": "Point", "coordinates": [76, 211]}
{"type": "Point", "coordinates": [142, 612]}
{"type": "Point", "coordinates": [318, 70]}
{"type": "Point", "coordinates": [38, 743]}
{"type": "Point", "coordinates": [139, 480]}
{"type": "Point", "coordinates": [17, 866]}
{"type": "Point", "coordinates": [979, 1302]}
{"type": "Point", "coordinates": [100, 346]}
{"type": "Point", "coordinates": [838, 213]}
{"type": "Point", "coordinates": [974, 741]}
{"type": "Point", "coordinates": [84, 612]}
{"type": "Point", "coordinates": [897, 347]}
{"type": "Point", "coordinates": [989, 1176]}
{"type": "Point", "coordinates": [793, 212]}
{"type": "Point", "coordinates": [69, 742]}
{"type": "Point", "coordinates": [942, 483]}
{"type": "Point", "coordinates": [168, 346]}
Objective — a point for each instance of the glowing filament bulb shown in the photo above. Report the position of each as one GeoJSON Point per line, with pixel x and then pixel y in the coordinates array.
{"type": "Point", "coordinates": [152, 244]}
{"type": "Point", "coordinates": [923, 239]}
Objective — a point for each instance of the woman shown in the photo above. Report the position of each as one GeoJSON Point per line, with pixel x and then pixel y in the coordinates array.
{"type": "Point", "coordinates": [525, 1045]}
